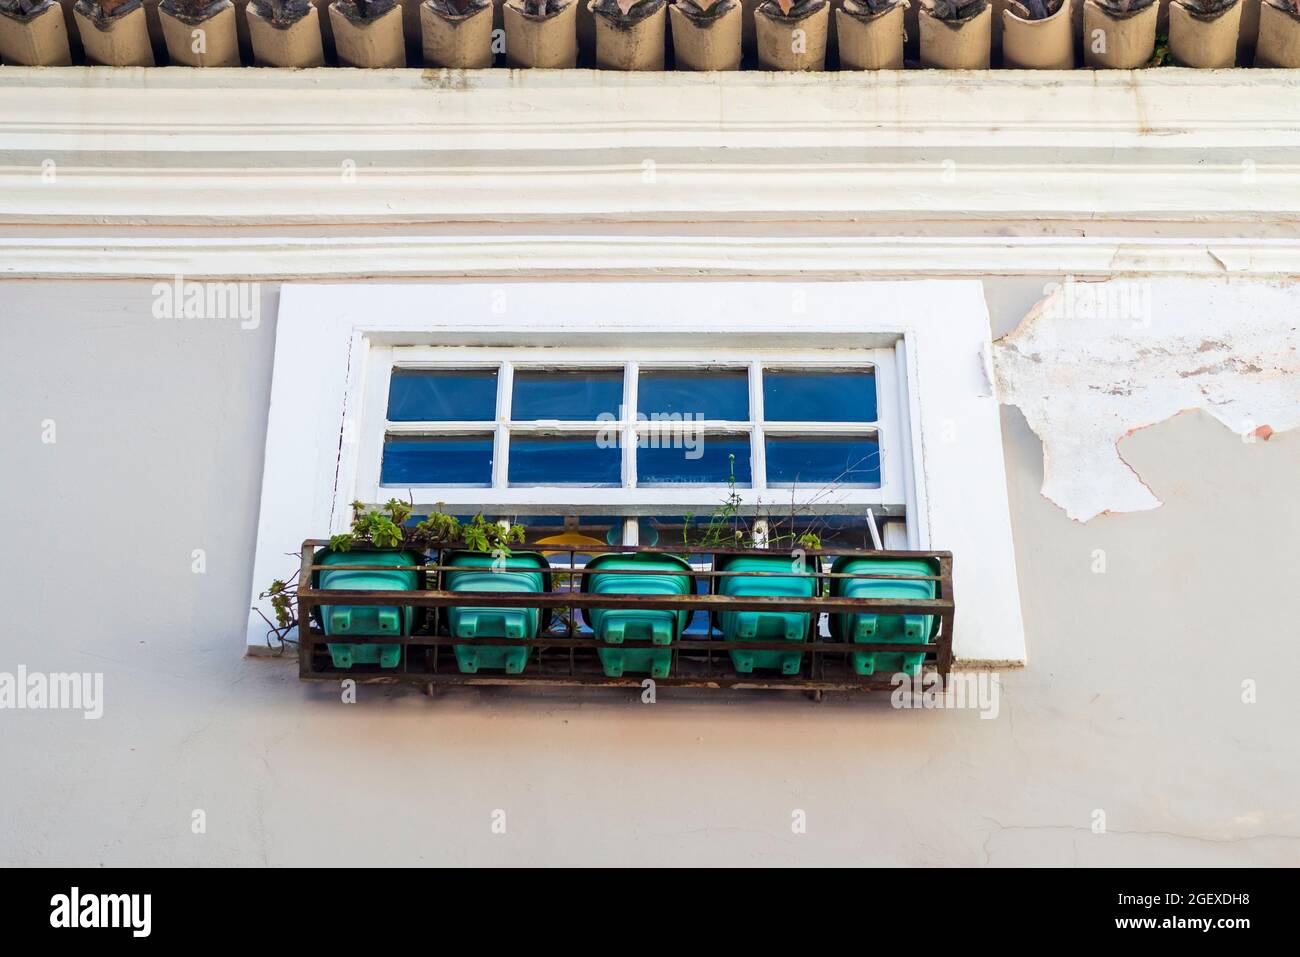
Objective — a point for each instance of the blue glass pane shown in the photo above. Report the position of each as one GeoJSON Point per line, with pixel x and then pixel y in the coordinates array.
{"type": "Point", "coordinates": [438, 395]}
{"type": "Point", "coordinates": [698, 623]}
{"type": "Point", "coordinates": [564, 460]}
{"type": "Point", "coordinates": [590, 525]}
{"type": "Point", "coordinates": [719, 394]}
{"type": "Point", "coordinates": [417, 519]}
{"type": "Point", "coordinates": [822, 460]}
{"type": "Point", "coordinates": [710, 459]}
{"type": "Point", "coordinates": [823, 396]}
{"type": "Point", "coordinates": [566, 394]}
{"type": "Point", "coordinates": [437, 460]}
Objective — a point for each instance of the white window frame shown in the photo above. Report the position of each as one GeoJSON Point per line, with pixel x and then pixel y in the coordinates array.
{"type": "Point", "coordinates": [329, 360]}
{"type": "Point", "coordinates": [631, 497]}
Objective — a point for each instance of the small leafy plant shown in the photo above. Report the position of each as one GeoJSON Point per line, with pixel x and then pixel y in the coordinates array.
{"type": "Point", "coordinates": [728, 528]}
{"type": "Point", "coordinates": [1161, 56]}
{"type": "Point", "coordinates": [387, 528]}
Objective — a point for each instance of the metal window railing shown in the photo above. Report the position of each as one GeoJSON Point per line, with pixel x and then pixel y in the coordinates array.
{"type": "Point", "coordinates": [569, 657]}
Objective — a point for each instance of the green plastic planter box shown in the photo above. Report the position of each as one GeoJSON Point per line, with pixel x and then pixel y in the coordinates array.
{"type": "Point", "coordinates": [615, 626]}
{"type": "Point", "coordinates": [341, 620]}
{"type": "Point", "coordinates": [519, 572]}
{"type": "Point", "coordinates": [765, 625]}
{"type": "Point", "coordinates": [907, 629]}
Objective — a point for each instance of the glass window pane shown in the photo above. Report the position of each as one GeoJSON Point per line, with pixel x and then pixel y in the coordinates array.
{"type": "Point", "coordinates": [437, 460]}
{"type": "Point", "coordinates": [565, 460]}
{"type": "Point", "coordinates": [704, 393]}
{"type": "Point", "coordinates": [823, 460]}
{"type": "Point", "coordinates": [832, 395]}
{"type": "Point", "coordinates": [442, 395]}
{"type": "Point", "coordinates": [566, 394]}
{"type": "Point", "coordinates": [693, 459]}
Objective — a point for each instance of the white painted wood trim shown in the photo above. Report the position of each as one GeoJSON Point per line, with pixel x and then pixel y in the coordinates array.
{"type": "Point", "coordinates": [945, 324]}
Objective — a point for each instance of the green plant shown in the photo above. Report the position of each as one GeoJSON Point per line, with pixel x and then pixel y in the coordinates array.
{"type": "Point", "coordinates": [386, 527]}
{"type": "Point", "coordinates": [1161, 56]}
{"type": "Point", "coordinates": [727, 527]}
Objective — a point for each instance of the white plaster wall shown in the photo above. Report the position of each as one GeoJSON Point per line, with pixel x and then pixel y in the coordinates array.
{"type": "Point", "coordinates": [1131, 703]}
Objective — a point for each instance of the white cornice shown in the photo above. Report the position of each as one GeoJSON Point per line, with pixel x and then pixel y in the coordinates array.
{"type": "Point", "coordinates": [179, 146]}
{"type": "Point", "coordinates": [523, 256]}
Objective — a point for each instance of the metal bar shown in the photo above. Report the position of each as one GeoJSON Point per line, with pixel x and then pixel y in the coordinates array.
{"type": "Point", "coordinates": [707, 550]}
{"type": "Point", "coordinates": [681, 644]}
{"type": "Point", "coordinates": [305, 606]}
{"type": "Point", "coordinates": [733, 682]}
{"type": "Point", "coordinates": [945, 657]}
{"type": "Point", "coordinates": [490, 599]}
{"type": "Point", "coordinates": [692, 659]}
{"type": "Point", "coordinates": [865, 576]}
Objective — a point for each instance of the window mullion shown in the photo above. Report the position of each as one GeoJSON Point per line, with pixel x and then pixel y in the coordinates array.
{"type": "Point", "coordinates": [627, 415]}
{"type": "Point", "coordinates": [757, 439]}
{"type": "Point", "coordinates": [501, 447]}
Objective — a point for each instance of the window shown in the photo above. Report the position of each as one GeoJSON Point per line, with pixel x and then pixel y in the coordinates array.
{"type": "Point", "coordinates": [829, 397]}
{"type": "Point", "coordinates": [546, 435]}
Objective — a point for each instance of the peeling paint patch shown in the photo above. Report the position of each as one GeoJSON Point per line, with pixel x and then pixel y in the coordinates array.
{"type": "Point", "coordinates": [1094, 362]}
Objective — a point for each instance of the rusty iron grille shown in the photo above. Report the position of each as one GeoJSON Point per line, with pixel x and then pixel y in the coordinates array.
{"type": "Point", "coordinates": [567, 657]}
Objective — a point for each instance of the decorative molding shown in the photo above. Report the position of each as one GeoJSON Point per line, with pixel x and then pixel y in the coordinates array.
{"type": "Point", "coordinates": [174, 146]}
{"type": "Point", "coordinates": [565, 256]}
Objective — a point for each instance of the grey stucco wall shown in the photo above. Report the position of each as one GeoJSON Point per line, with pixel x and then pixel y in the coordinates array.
{"type": "Point", "coordinates": [1131, 703]}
